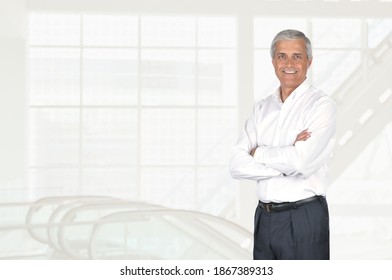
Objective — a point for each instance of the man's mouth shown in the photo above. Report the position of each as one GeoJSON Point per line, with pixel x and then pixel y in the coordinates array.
{"type": "Point", "coordinates": [289, 71]}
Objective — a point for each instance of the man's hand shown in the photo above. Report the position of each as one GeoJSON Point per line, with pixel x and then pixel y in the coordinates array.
{"type": "Point", "coordinates": [302, 136]}
{"type": "Point", "coordinates": [252, 152]}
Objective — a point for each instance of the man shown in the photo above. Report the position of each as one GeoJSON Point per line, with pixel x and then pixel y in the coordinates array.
{"type": "Point", "coordinates": [285, 145]}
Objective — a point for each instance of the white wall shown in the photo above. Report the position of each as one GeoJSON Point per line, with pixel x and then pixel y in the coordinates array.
{"type": "Point", "coordinates": [12, 93]}
{"type": "Point", "coordinates": [216, 7]}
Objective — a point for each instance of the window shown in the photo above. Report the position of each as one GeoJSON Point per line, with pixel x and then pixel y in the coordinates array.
{"type": "Point", "coordinates": [136, 107]}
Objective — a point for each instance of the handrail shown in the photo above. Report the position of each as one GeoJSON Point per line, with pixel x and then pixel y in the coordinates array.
{"type": "Point", "coordinates": [104, 208]}
{"type": "Point", "coordinates": [374, 56]}
{"type": "Point", "coordinates": [195, 218]}
{"type": "Point", "coordinates": [54, 202]}
{"type": "Point", "coordinates": [76, 217]}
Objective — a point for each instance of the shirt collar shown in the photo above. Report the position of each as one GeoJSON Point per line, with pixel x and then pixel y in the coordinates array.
{"type": "Point", "coordinates": [299, 91]}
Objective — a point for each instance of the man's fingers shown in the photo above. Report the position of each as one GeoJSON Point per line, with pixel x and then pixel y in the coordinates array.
{"type": "Point", "coordinates": [303, 136]}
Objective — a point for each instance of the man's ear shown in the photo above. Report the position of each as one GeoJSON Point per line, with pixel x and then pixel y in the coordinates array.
{"type": "Point", "coordinates": [273, 62]}
{"type": "Point", "coordinates": [310, 62]}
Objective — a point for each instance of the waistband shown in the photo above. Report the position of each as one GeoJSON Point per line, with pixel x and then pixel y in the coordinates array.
{"type": "Point", "coordinates": [284, 206]}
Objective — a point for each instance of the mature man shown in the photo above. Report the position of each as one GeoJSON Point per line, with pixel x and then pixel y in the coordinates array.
{"type": "Point", "coordinates": [285, 146]}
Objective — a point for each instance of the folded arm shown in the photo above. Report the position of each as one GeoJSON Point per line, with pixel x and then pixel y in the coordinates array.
{"type": "Point", "coordinates": [310, 151]}
{"type": "Point", "coordinates": [243, 164]}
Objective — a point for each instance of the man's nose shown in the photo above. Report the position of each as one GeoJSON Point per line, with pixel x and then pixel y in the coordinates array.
{"type": "Point", "coordinates": [289, 61]}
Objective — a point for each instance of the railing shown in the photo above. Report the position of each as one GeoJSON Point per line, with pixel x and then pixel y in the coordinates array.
{"type": "Point", "coordinates": [108, 228]}
{"type": "Point", "coordinates": [364, 107]}
{"type": "Point", "coordinates": [347, 91]}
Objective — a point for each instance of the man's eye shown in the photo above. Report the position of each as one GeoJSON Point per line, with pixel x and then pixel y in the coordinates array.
{"type": "Point", "coordinates": [281, 56]}
{"type": "Point", "coordinates": [296, 57]}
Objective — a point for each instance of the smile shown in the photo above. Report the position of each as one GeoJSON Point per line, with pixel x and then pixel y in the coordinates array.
{"type": "Point", "coordinates": [290, 71]}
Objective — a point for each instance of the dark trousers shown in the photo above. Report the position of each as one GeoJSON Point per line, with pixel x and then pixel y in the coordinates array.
{"type": "Point", "coordinates": [295, 234]}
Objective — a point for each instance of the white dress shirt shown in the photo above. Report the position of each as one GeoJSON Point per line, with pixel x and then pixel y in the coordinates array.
{"type": "Point", "coordinates": [285, 172]}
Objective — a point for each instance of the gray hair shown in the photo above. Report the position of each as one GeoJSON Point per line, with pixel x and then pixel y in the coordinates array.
{"type": "Point", "coordinates": [291, 34]}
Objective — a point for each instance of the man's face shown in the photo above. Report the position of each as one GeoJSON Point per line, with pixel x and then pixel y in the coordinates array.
{"type": "Point", "coordinates": [291, 63]}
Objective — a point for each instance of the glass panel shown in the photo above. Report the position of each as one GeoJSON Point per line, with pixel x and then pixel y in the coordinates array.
{"type": "Point", "coordinates": [168, 136]}
{"type": "Point", "coordinates": [54, 182]}
{"type": "Point", "coordinates": [168, 77]}
{"type": "Point", "coordinates": [168, 31]}
{"type": "Point", "coordinates": [372, 163]}
{"type": "Point", "coordinates": [216, 191]}
{"type": "Point", "coordinates": [217, 133]}
{"type": "Point", "coordinates": [217, 78]}
{"type": "Point", "coordinates": [54, 137]}
{"type": "Point", "coordinates": [110, 136]}
{"type": "Point", "coordinates": [110, 77]}
{"type": "Point", "coordinates": [364, 184]}
{"type": "Point", "coordinates": [108, 30]}
{"type": "Point", "coordinates": [336, 33]}
{"type": "Point", "coordinates": [379, 29]}
{"type": "Point", "coordinates": [112, 182]}
{"type": "Point", "coordinates": [332, 68]}
{"type": "Point", "coordinates": [113, 150]}
{"type": "Point", "coordinates": [265, 29]}
{"type": "Point", "coordinates": [54, 76]}
{"type": "Point", "coordinates": [170, 187]}
{"type": "Point", "coordinates": [265, 81]}
{"type": "Point", "coordinates": [216, 32]}
{"type": "Point", "coordinates": [54, 29]}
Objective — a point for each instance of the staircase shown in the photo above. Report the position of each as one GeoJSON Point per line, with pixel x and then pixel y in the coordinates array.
{"type": "Point", "coordinates": [364, 106]}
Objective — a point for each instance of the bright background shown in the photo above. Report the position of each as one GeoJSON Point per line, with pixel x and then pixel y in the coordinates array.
{"type": "Point", "coordinates": [144, 101]}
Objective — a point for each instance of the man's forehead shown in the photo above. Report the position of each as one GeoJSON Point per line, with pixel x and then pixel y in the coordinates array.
{"type": "Point", "coordinates": [297, 46]}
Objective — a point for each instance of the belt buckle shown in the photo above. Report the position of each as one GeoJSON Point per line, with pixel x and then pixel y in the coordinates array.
{"type": "Point", "coordinates": [269, 206]}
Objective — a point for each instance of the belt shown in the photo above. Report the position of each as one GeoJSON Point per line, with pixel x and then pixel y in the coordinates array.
{"type": "Point", "coordinates": [284, 206]}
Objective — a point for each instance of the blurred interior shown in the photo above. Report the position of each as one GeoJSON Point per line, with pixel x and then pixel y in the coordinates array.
{"type": "Point", "coordinates": [118, 119]}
